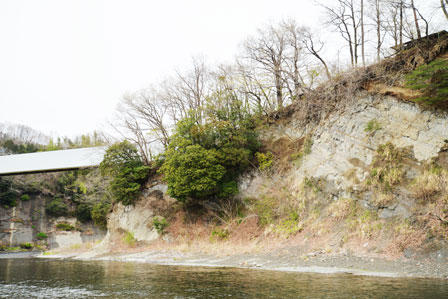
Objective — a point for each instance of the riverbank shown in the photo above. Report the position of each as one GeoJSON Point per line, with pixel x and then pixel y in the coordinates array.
{"type": "Point", "coordinates": [290, 259]}
{"type": "Point", "coordinates": [19, 254]}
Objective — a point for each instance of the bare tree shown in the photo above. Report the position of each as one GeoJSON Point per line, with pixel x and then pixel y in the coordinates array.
{"type": "Point", "coordinates": [393, 20]}
{"type": "Point", "coordinates": [344, 17]}
{"type": "Point", "coordinates": [146, 105]}
{"type": "Point", "coordinates": [130, 129]}
{"type": "Point", "coordinates": [185, 94]}
{"type": "Point", "coordinates": [401, 9]}
{"type": "Point", "coordinates": [294, 36]}
{"type": "Point", "coordinates": [417, 27]}
{"type": "Point", "coordinates": [192, 88]}
{"type": "Point", "coordinates": [266, 51]}
{"type": "Point", "coordinates": [22, 134]}
{"type": "Point", "coordinates": [378, 22]}
{"type": "Point", "coordinates": [144, 121]}
{"type": "Point", "coordinates": [310, 41]}
{"type": "Point", "coordinates": [362, 35]}
{"type": "Point", "coordinates": [254, 87]}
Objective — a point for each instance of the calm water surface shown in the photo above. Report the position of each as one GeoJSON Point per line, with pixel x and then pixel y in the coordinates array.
{"type": "Point", "coordinates": [38, 278]}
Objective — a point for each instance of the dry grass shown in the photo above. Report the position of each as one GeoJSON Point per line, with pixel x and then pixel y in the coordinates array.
{"type": "Point", "coordinates": [288, 152]}
{"type": "Point", "coordinates": [387, 168]}
{"type": "Point", "coordinates": [241, 236]}
{"type": "Point", "coordinates": [405, 235]}
{"type": "Point", "coordinates": [395, 91]}
{"type": "Point", "coordinates": [382, 200]}
{"type": "Point", "coordinates": [76, 248]}
{"type": "Point", "coordinates": [384, 77]}
{"type": "Point", "coordinates": [342, 208]}
{"type": "Point", "coordinates": [429, 184]}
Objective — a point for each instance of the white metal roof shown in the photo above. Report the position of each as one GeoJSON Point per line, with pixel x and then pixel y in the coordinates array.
{"type": "Point", "coordinates": [51, 161]}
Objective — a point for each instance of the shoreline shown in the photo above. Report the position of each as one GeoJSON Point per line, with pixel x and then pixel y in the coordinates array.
{"type": "Point", "coordinates": [319, 263]}
{"type": "Point", "coordinates": [19, 254]}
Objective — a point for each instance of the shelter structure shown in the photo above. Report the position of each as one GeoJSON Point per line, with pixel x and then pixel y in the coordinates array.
{"type": "Point", "coordinates": [60, 160]}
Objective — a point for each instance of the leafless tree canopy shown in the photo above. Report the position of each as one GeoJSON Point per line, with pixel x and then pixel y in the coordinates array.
{"type": "Point", "coordinates": [22, 134]}
{"type": "Point", "coordinates": [276, 67]}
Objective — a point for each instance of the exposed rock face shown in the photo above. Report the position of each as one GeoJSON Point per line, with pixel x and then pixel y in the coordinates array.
{"type": "Point", "coordinates": [343, 149]}
{"type": "Point", "coordinates": [22, 223]}
{"type": "Point", "coordinates": [342, 143]}
{"type": "Point", "coordinates": [138, 218]}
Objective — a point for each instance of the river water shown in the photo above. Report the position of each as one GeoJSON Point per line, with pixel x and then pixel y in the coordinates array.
{"type": "Point", "coordinates": [41, 278]}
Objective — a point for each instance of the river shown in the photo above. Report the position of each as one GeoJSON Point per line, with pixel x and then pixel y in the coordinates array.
{"type": "Point", "coordinates": [42, 278]}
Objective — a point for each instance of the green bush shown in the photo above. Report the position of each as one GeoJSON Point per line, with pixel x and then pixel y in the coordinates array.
{"type": "Point", "coordinates": [159, 224]}
{"type": "Point", "coordinates": [99, 214]}
{"type": "Point", "coordinates": [432, 81]}
{"type": "Point", "coordinates": [264, 160]}
{"type": "Point", "coordinates": [8, 196]}
{"type": "Point", "coordinates": [289, 226]}
{"type": "Point", "coordinates": [265, 208]}
{"type": "Point", "coordinates": [66, 183]}
{"type": "Point", "coordinates": [372, 126]}
{"type": "Point", "coordinates": [25, 197]}
{"type": "Point", "coordinates": [128, 172]}
{"type": "Point", "coordinates": [65, 226]}
{"type": "Point", "coordinates": [219, 234]}
{"type": "Point", "coordinates": [204, 158]}
{"type": "Point", "coordinates": [84, 212]}
{"type": "Point", "coordinates": [14, 147]}
{"type": "Point", "coordinates": [41, 236]}
{"type": "Point", "coordinates": [192, 171]}
{"type": "Point", "coordinates": [129, 239]}
{"type": "Point", "coordinates": [81, 188]}
{"type": "Point", "coordinates": [57, 207]}
{"type": "Point", "coordinates": [26, 246]}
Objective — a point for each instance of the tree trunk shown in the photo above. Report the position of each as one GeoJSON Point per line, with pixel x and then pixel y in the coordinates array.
{"type": "Point", "coordinates": [362, 34]}
{"type": "Point", "coordinates": [401, 24]}
{"type": "Point", "coordinates": [378, 30]}
{"type": "Point", "coordinates": [417, 27]}
{"type": "Point", "coordinates": [443, 5]}
{"type": "Point", "coordinates": [278, 87]}
{"type": "Point", "coordinates": [355, 33]}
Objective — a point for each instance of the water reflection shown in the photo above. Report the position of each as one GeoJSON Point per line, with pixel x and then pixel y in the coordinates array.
{"type": "Point", "coordinates": [37, 278]}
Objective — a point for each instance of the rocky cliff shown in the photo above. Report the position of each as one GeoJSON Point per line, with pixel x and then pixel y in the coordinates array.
{"type": "Point", "coordinates": [369, 178]}
{"type": "Point", "coordinates": [44, 211]}
{"type": "Point", "coordinates": [29, 223]}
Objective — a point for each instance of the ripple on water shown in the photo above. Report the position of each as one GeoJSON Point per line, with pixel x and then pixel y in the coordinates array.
{"type": "Point", "coordinates": [39, 278]}
{"type": "Point", "coordinates": [23, 290]}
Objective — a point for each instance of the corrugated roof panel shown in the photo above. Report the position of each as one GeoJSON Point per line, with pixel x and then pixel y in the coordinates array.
{"type": "Point", "coordinates": [54, 160]}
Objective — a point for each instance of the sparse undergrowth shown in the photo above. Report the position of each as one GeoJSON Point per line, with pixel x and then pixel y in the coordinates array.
{"type": "Point", "coordinates": [129, 239]}
{"type": "Point", "coordinates": [65, 226]}
{"type": "Point", "coordinates": [387, 168]}
{"type": "Point", "coordinates": [372, 126]}
{"type": "Point", "coordinates": [160, 224]}
{"type": "Point", "coordinates": [431, 80]}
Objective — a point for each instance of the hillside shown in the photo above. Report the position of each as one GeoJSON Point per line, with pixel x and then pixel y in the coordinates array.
{"type": "Point", "coordinates": [357, 167]}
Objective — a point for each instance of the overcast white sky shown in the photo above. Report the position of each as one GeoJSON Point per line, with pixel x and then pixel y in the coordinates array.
{"type": "Point", "coordinates": [64, 64]}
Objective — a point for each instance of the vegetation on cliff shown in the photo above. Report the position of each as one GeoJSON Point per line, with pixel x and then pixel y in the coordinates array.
{"type": "Point", "coordinates": [432, 81]}
{"type": "Point", "coordinates": [125, 166]}
{"type": "Point", "coordinates": [200, 132]}
{"type": "Point", "coordinates": [204, 159]}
